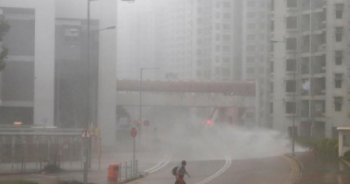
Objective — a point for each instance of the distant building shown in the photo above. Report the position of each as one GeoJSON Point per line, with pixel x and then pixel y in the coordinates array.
{"type": "Point", "coordinates": [310, 45]}
{"type": "Point", "coordinates": [187, 39]}
{"type": "Point", "coordinates": [256, 53]}
{"type": "Point", "coordinates": [27, 87]}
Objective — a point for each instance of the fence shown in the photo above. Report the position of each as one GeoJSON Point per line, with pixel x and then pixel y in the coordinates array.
{"type": "Point", "coordinates": [128, 170]}
{"type": "Point", "coordinates": [30, 149]}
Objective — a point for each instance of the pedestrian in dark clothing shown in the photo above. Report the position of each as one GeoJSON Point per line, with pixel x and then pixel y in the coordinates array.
{"type": "Point", "coordinates": [180, 173]}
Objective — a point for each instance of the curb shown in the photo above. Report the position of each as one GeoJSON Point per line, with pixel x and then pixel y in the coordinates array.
{"type": "Point", "coordinates": [346, 162]}
{"type": "Point", "coordinates": [300, 168]}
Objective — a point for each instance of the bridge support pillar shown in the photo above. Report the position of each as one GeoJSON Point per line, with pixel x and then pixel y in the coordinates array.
{"type": "Point", "coordinates": [106, 74]}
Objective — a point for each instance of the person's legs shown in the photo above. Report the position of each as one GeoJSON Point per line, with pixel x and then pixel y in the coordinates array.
{"type": "Point", "coordinates": [181, 180]}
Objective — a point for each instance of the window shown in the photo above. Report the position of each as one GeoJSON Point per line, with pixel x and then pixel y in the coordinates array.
{"type": "Point", "coordinates": [271, 67]}
{"type": "Point", "coordinates": [271, 87]}
{"type": "Point", "coordinates": [290, 107]}
{"type": "Point", "coordinates": [338, 102]}
{"type": "Point", "coordinates": [251, 3]}
{"type": "Point", "coordinates": [251, 26]}
{"type": "Point", "coordinates": [218, 26]}
{"type": "Point", "coordinates": [338, 80]}
{"type": "Point", "coordinates": [227, 15]}
{"type": "Point", "coordinates": [272, 26]}
{"type": "Point", "coordinates": [226, 27]}
{"type": "Point", "coordinates": [291, 23]}
{"type": "Point", "coordinates": [226, 72]}
{"type": "Point", "coordinates": [251, 48]}
{"type": "Point", "coordinates": [217, 37]}
{"type": "Point", "coordinates": [338, 57]}
{"type": "Point", "coordinates": [338, 34]}
{"type": "Point", "coordinates": [305, 65]}
{"type": "Point", "coordinates": [271, 108]}
{"type": "Point", "coordinates": [250, 70]}
{"type": "Point", "coordinates": [339, 10]}
{"type": "Point", "coordinates": [251, 14]}
{"type": "Point", "coordinates": [226, 4]}
{"type": "Point", "coordinates": [226, 38]}
{"type": "Point", "coordinates": [250, 37]}
{"type": "Point", "coordinates": [291, 44]}
{"type": "Point", "coordinates": [226, 59]}
{"type": "Point", "coordinates": [250, 59]}
{"type": "Point", "coordinates": [217, 70]}
{"type": "Point", "coordinates": [290, 65]}
{"type": "Point", "coordinates": [218, 48]}
{"type": "Point", "coordinates": [290, 86]}
{"type": "Point", "coordinates": [226, 48]}
{"type": "Point", "coordinates": [292, 3]}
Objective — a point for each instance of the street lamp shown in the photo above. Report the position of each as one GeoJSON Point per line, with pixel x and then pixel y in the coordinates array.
{"type": "Point", "coordinates": [294, 94]}
{"type": "Point", "coordinates": [140, 109]}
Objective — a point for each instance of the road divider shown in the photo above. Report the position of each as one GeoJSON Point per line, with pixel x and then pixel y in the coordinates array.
{"type": "Point", "coordinates": [222, 170]}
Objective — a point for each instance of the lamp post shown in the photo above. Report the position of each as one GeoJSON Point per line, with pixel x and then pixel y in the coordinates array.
{"type": "Point", "coordinates": [140, 108]}
{"type": "Point", "coordinates": [87, 147]}
{"type": "Point", "coordinates": [294, 94]}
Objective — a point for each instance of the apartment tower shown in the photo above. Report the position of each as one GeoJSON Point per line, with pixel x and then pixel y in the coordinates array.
{"type": "Point", "coordinates": [309, 75]}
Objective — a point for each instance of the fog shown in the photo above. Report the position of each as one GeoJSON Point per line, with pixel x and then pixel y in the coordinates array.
{"type": "Point", "coordinates": [176, 132]}
{"type": "Point", "coordinates": [171, 35]}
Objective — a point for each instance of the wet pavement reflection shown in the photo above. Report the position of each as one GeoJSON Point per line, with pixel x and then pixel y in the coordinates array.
{"type": "Point", "coordinates": [321, 169]}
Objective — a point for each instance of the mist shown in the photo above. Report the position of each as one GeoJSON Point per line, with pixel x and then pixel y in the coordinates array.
{"type": "Point", "coordinates": [174, 131]}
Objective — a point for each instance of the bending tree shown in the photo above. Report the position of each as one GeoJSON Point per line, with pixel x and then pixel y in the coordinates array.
{"type": "Point", "coordinates": [4, 28]}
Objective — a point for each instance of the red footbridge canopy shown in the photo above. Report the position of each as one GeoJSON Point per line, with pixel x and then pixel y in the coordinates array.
{"type": "Point", "coordinates": [224, 87]}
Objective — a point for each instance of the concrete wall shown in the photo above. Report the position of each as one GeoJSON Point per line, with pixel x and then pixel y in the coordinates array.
{"type": "Point", "coordinates": [44, 55]}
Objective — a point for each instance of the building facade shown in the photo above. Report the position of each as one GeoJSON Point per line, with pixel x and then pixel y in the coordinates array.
{"type": "Point", "coordinates": [310, 76]}
{"type": "Point", "coordinates": [255, 54]}
{"type": "Point", "coordinates": [30, 63]}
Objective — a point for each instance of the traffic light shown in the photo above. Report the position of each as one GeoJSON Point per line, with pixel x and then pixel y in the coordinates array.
{"type": "Point", "coordinates": [208, 122]}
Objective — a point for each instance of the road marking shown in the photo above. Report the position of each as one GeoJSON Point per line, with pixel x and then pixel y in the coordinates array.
{"type": "Point", "coordinates": [160, 165]}
{"type": "Point", "coordinates": [222, 170]}
{"type": "Point", "coordinates": [295, 170]}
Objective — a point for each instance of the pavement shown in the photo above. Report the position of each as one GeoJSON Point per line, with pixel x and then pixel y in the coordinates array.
{"type": "Point", "coordinates": [304, 168]}
{"type": "Point", "coordinates": [320, 169]}
{"type": "Point", "coordinates": [98, 172]}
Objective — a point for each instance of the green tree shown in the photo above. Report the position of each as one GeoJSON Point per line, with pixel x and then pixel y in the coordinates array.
{"type": "Point", "coordinates": [4, 28]}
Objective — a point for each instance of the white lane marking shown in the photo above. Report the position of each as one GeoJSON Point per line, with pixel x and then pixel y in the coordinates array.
{"type": "Point", "coordinates": [222, 170]}
{"type": "Point", "coordinates": [160, 165]}
{"type": "Point", "coordinates": [166, 162]}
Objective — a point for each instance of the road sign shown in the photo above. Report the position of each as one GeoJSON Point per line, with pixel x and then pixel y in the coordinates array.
{"type": "Point", "coordinates": [146, 122]}
{"type": "Point", "coordinates": [133, 132]}
{"type": "Point", "coordinates": [85, 134]}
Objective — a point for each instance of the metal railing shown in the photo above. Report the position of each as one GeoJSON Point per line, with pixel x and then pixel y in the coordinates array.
{"type": "Point", "coordinates": [128, 171]}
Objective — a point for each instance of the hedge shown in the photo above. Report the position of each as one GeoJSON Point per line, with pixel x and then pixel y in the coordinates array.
{"type": "Point", "coordinates": [17, 182]}
{"type": "Point", "coordinates": [327, 146]}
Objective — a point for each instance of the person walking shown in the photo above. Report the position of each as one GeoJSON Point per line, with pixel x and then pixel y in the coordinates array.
{"type": "Point", "coordinates": [180, 173]}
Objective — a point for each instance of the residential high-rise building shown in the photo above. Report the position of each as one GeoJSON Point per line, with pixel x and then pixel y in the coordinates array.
{"type": "Point", "coordinates": [310, 76]}
{"type": "Point", "coordinates": [214, 39]}
{"type": "Point", "coordinates": [198, 40]}
{"type": "Point", "coordinates": [255, 53]}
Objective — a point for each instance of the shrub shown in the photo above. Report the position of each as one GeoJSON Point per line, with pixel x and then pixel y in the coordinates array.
{"type": "Point", "coordinates": [327, 146]}
{"type": "Point", "coordinates": [52, 168]}
{"type": "Point", "coordinates": [17, 182]}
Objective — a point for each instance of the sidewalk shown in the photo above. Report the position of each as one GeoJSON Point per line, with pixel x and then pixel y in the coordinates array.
{"type": "Point", "coordinates": [318, 169]}
{"type": "Point", "coordinates": [74, 171]}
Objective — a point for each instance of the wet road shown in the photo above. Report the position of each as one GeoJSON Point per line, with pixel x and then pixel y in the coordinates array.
{"type": "Point", "coordinates": [274, 170]}
{"type": "Point", "coordinates": [323, 170]}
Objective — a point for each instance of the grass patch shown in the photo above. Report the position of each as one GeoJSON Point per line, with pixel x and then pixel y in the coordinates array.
{"type": "Point", "coordinates": [17, 182]}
